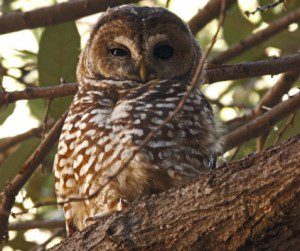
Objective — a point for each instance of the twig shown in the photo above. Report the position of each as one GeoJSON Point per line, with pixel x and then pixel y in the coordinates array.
{"type": "Point", "coordinates": [168, 3]}
{"type": "Point", "coordinates": [210, 11]}
{"type": "Point", "coordinates": [264, 7]}
{"type": "Point", "coordinates": [236, 151]}
{"type": "Point", "coordinates": [47, 224]}
{"type": "Point", "coordinates": [8, 142]}
{"type": "Point", "coordinates": [45, 127]}
{"type": "Point", "coordinates": [271, 66]}
{"type": "Point", "coordinates": [12, 188]}
{"type": "Point", "coordinates": [257, 38]}
{"type": "Point", "coordinates": [42, 246]}
{"type": "Point", "coordinates": [54, 91]}
{"type": "Point", "coordinates": [46, 117]}
{"type": "Point", "coordinates": [190, 88]}
{"type": "Point", "coordinates": [289, 122]}
{"type": "Point", "coordinates": [271, 98]}
{"type": "Point", "coordinates": [55, 14]}
{"type": "Point", "coordinates": [261, 123]}
{"type": "Point", "coordinates": [222, 73]}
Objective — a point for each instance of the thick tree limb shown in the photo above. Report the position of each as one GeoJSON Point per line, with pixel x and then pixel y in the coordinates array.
{"type": "Point", "coordinates": [258, 37]}
{"type": "Point", "coordinates": [261, 123]}
{"type": "Point", "coordinates": [55, 14]}
{"type": "Point", "coordinates": [12, 188]}
{"type": "Point", "coordinates": [248, 204]}
{"type": "Point", "coordinates": [226, 72]}
{"type": "Point", "coordinates": [210, 11]}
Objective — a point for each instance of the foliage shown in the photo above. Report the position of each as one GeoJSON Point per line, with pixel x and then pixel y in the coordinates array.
{"type": "Point", "coordinates": [56, 60]}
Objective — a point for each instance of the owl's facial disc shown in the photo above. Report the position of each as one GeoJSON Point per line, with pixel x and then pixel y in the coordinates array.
{"type": "Point", "coordinates": [140, 44]}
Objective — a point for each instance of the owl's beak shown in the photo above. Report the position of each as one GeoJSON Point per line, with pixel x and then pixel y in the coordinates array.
{"type": "Point", "coordinates": [143, 73]}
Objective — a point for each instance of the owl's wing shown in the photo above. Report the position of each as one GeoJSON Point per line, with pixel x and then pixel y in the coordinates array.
{"type": "Point", "coordinates": [84, 127]}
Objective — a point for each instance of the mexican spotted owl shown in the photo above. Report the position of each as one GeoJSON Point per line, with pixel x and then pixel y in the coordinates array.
{"type": "Point", "coordinates": [136, 66]}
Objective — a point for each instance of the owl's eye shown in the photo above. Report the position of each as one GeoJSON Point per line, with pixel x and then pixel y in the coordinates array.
{"type": "Point", "coordinates": [163, 51]}
{"type": "Point", "coordinates": [119, 52]}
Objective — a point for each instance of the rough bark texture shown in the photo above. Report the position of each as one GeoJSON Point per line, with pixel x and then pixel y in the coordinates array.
{"type": "Point", "coordinates": [248, 204]}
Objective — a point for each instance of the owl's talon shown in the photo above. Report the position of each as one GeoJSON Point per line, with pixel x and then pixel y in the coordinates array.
{"type": "Point", "coordinates": [122, 204]}
{"type": "Point", "coordinates": [98, 216]}
{"type": "Point", "coordinates": [118, 104]}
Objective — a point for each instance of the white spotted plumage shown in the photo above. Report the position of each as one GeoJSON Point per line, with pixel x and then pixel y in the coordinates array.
{"type": "Point", "coordinates": [116, 107]}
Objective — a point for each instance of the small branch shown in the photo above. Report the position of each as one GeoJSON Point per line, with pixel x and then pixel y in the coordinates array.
{"type": "Point", "coordinates": [262, 139]}
{"type": "Point", "coordinates": [12, 188]}
{"type": "Point", "coordinates": [55, 14]}
{"type": "Point", "coordinates": [210, 11]}
{"type": "Point", "coordinates": [42, 246]}
{"type": "Point", "coordinates": [261, 123]}
{"type": "Point", "coordinates": [39, 92]}
{"type": "Point", "coordinates": [289, 122]}
{"type": "Point", "coordinates": [271, 66]}
{"type": "Point", "coordinates": [258, 37]}
{"type": "Point", "coordinates": [264, 7]}
{"type": "Point", "coordinates": [226, 72]}
{"type": "Point", "coordinates": [270, 99]}
{"type": "Point", "coordinates": [46, 117]}
{"type": "Point", "coordinates": [168, 4]}
{"type": "Point", "coordinates": [46, 224]}
{"type": "Point", "coordinates": [192, 85]}
{"type": "Point", "coordinates": [45, 127]}
{"type": "Point", "coordinates": [8, 142]}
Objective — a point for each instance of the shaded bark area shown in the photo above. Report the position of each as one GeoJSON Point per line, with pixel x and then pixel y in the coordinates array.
{"type": "Point", "coordinates": [249, 204]}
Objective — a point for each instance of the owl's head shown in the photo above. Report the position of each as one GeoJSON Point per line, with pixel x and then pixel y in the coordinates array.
{"type": "Point", "coordinates": [139, 44]}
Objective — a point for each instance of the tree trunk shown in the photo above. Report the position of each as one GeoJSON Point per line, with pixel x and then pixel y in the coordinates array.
{"type": "Point", "coordinates": [249, 204]}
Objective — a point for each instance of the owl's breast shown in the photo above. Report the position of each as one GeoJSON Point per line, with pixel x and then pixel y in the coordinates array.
{"type": "Point", "coordinates": [184, 143]}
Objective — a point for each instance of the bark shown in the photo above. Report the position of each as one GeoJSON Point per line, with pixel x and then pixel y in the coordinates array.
{"type": "Point", "coordinates": [248, 204]}
{"type": "Point", "coordinates": [55, 14]}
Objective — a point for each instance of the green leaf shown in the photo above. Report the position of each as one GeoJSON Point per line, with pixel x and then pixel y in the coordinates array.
{"type": "Point", "coordinates": [291, 130]}
{"type": "Point", "coordinates": [38, 33]}
{"type": "Point", "coordinates": [37, 108]}
{"type": "Point", "coordinates": [57, 59]}
{"type": "Point", "coordinates": [236, 26]}
{"type": "Point", "coordinates": [279, 11]}
{"type": "Point", "coordinates": [5, 112]}
{"type": "Point", "coordinates": [13, 163]}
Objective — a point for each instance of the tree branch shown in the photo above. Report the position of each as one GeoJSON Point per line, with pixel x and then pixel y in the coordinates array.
{"type": "Point", "coordinates": [54, 91]}
{"type": "Point", "coordinates": [226, 72]}
{"type": "Point", "coordinates": [261, 123]}
{"type": "Point", "coordinates": [55, 14]}
{"type": "Point", "coordinates": [258, 37]}
{"type": "Point", "coordinates": [270, 99]}
{"type": "Point", "coordinates": [46, 224]}
{"type": "Point", "coordinates": [210, 11]}
{"type": "Point", "coordinates": [12, 188]}
{"type": "Point", "coordinates": [244, 204]}
{"type": "Point", "coordinates": [271, 66]}
{"type": "Point", "coordinates": [8, 142]}
{"type": "Point", "coordinates": [264, 7]}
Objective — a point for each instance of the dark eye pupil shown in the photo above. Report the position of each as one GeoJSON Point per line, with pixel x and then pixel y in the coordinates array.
{"type": "Point", "coordinates": [118, 52]}
{"type": "Point", "coordinates": [164, 51]}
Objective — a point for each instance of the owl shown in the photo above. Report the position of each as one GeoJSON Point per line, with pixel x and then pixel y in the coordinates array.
{"type": "Point", "coordinates": [135, 68]}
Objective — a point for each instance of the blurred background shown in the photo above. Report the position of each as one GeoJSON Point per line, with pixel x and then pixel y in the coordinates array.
{"type": "Point", "coordinates": [48, 56]}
